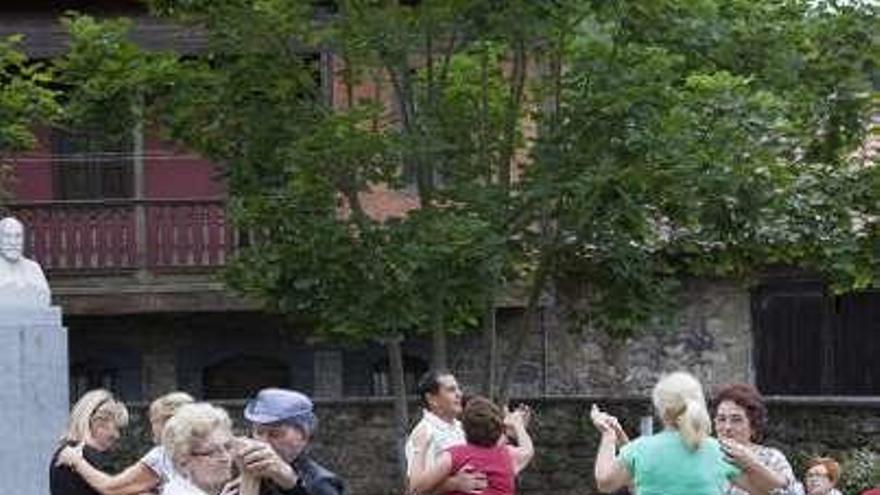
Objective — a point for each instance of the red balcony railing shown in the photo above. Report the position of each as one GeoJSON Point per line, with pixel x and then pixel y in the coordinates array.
{"type": "Point", "coordinates": [121, 235]}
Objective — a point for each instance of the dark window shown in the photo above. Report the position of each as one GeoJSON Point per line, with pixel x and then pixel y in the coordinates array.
{"type": "Point", "coordinates": [89, 167]}
{"type": "Point", "coordinates": [242, 376]}
{"type": "Point", "coordinates": [92, 374]}
{"type": "Point", "coordinates": [413, 369]}
{"type": "Point", "coordinates": [811, 342]}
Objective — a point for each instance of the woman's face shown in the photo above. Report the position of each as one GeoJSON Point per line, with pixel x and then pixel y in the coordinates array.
{"type": "Point", "coordinates": [818, 481]}
{"type": "Point", "coordinates": [105, 434]}
{"type": "Point", "coordinates": [209, 463]}
{"type": "Point", "coordinates": [732, 422]}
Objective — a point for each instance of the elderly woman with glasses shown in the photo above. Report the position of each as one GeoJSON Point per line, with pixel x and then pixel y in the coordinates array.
{"type": "Point", "coordinates": [199, 441]}
{"type": "Point", "coordinates": [95, 421]}
{"type": "Point", "coordinates": [740, 419]}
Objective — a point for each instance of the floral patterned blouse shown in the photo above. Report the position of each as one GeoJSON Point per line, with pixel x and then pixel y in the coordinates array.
{"type": "Point", "coordinates": [776, 462]}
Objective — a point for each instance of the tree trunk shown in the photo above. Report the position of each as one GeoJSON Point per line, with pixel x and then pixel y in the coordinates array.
{"type": "Point", "coordinates": [490, 340]}
{"type": "Point", "coordinates": [523, 331]}
{"type": "Point", "coordinates": [401, 414]}
{"type": "Point", "coordinates": [439, 354]}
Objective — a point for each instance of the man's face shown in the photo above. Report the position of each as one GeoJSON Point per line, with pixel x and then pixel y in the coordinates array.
{"type": "Point", "coordinates": [287, 440]}
{"type": "Point", "coordinates": [447, 400]}
{"type": "Point", "coordinates": [11, 240]}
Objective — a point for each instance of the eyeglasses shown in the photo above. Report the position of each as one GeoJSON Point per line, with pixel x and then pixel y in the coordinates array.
{"type": "Point", "coordinates": [734, 420]}
{"type": "Point", "coordinates": [216, 452]}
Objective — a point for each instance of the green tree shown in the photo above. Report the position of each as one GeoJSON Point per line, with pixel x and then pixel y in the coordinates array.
{"type": "Point", "coordinates": [709, 139]}
{"type": "Point", "coordinates": [26, 101]}
{"type": "Point", "coordinates": [298, 167]}
{"type": "Point", "coordinates": [673, 139]}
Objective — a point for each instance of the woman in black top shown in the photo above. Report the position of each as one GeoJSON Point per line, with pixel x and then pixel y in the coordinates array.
{"type": "Point", "coordinates": [95, 422]}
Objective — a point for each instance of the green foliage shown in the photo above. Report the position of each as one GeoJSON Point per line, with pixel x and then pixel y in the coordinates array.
{"type": "Point", "coordinates": [683, 150]}
{"type": "Point", "coordinates": [26, 100]}
{"type": "Point", "coordinates": [674, 139]}
{"type": "Point", "coordinates": [860, 470]}
{"type": "Point", "coordinates": [108, 80]}
{"type": "Point", "coordinates": [298, 169]}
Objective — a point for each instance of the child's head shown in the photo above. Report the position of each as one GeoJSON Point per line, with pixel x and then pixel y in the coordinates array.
{"type": "Point", "coordinates": [483, 422]}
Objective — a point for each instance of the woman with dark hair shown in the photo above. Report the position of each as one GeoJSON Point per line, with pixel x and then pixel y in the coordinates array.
{"type": "Point", "coordinates": [741, 417]}
{"type": "Point", "coordinates": [484, 425]}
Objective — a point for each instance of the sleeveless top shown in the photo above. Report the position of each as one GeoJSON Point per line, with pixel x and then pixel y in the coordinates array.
{"type": "Point", "coordinates": [496, 462]}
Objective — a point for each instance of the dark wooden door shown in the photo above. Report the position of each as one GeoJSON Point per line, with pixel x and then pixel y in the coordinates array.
{"type": "Point", "coordinates": [810, 342]}
{"type": "Point", "coordinates": [857, 353]}
{"type": "Point", "coordinates": [788, 324]}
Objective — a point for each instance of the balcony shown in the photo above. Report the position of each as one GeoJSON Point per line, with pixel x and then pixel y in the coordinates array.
{"type": "Point", "coordinates": [118, 236]}
{"type": "Point", "coordinates": [130, 255]}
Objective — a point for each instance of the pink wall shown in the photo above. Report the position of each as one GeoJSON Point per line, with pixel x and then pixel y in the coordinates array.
{"type": "Point", "coordinates": [173, 172]}
{"type": "Point", "coordinates": [32, 173]}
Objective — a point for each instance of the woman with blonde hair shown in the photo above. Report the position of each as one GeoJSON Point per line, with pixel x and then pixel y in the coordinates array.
{"type": "Point", "coordinates": [94, 424]}
{"type": "Point", "coordinates": [680, 460]}
{"type": "Point", "coordinates": [149, 473]}
{"type": "Point", "coordinates": [199, 441]}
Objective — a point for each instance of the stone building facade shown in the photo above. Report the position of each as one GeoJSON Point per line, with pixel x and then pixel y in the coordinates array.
{"type": "Point", "coordinates": [228, 354]}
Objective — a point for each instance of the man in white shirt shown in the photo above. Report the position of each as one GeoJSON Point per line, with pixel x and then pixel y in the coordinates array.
{"type": "Point", "coordinates": [441, 399]}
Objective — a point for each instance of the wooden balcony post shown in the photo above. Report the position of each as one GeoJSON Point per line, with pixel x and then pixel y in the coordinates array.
{"type": "Point", "coordinates": [140, 211]}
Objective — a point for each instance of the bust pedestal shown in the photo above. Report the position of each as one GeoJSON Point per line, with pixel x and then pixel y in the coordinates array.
{"type": "Point", "coordinates": [34, 392]}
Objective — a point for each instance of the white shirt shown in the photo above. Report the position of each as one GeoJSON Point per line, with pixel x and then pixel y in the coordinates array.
{"type": "Point", "coordinates": [178, 485]}
{"type": "Point", "coordinates": [159, 463]}
{"type": "Point", "coordinates": [443, 435]}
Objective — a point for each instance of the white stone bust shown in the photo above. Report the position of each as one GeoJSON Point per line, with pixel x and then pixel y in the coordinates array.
{"type": "Point", "coordinates": [22, 282]}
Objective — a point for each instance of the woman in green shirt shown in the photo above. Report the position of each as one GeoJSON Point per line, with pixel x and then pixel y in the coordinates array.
{"type": "Point", "coordinates": [680, 460]}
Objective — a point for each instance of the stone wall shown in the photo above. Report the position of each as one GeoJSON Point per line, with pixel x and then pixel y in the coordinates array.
{"type": "Point", "coordinates": [149, 355]}
{"type": "Point", "coordinates": [709, 336]}
{"type": "Point", "coordinates": [355, 438]}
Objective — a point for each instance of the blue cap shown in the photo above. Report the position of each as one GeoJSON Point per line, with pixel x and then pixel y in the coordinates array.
{"type": "Point", "coordinates": [278, 405]}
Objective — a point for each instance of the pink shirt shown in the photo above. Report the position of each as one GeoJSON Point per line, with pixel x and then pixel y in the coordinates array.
{"type": "Point", "coordinates": [495, 462]}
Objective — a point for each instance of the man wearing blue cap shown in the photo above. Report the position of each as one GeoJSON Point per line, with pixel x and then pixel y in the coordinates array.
{"type": "Point", "coordinates": [283, 422]}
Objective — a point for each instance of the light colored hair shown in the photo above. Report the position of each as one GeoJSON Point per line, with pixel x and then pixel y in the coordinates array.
{"type": "Point", "coordinates": [190, 424]}
{"type": "Point", "coordinates": [679, 401]}
{"type": "Point", "coordinates": [94, 405]}
{"type": "Point", "coordinates": [165, 406]}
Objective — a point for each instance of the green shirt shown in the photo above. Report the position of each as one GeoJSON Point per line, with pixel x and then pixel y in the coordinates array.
{"type": "Point", "coordinates": [663, 464]}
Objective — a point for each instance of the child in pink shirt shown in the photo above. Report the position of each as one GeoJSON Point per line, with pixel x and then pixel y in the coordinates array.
{"type": "Point", "coordinates": [486, 451]}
